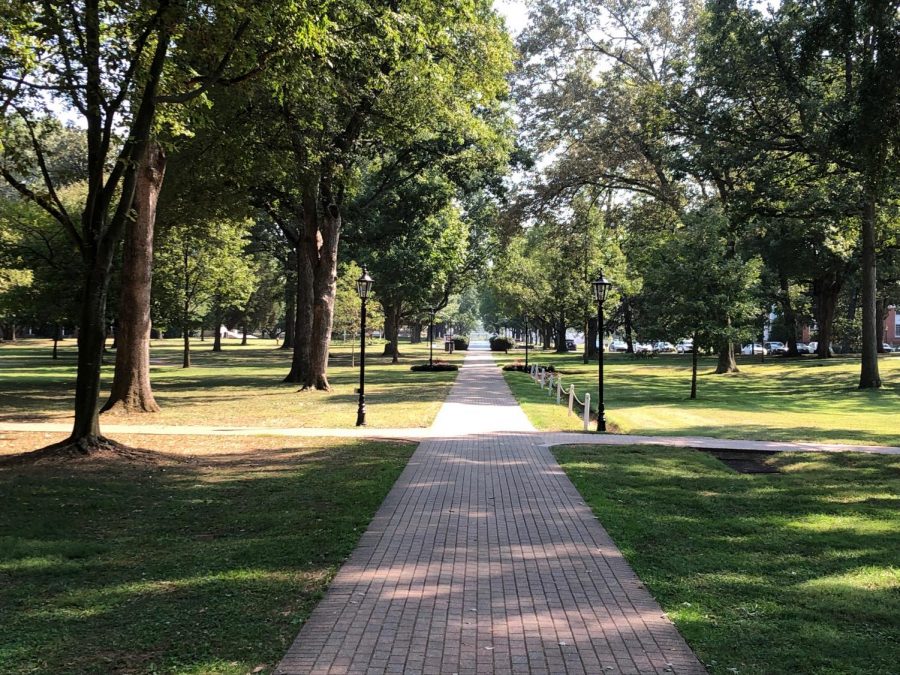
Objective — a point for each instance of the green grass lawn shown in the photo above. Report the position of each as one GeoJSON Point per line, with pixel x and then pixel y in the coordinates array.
{"type": "Point", "coordinates": [238, 386]}
{"type": "Point", "coordinates": [206, 567]}
{"type": "Point", "coordinates": [781, 399]}
{"type": "Point", "coordinates": [796, 572]}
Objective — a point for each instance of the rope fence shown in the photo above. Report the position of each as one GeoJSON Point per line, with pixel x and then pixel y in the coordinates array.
{"type": "Point", "coordinates": [553, 383]}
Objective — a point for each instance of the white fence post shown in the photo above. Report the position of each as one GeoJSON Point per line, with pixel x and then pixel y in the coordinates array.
{"type": "Point", "coordinates": [571, 398]}
{"type": "Point", "coordinates": [543, 377]}
{"type": "Point", "coordinates": [587, 411]}
{"type": "Point", "coordinates": [559, 390]}
{"type": "Point", "coordinates": [550, 385]}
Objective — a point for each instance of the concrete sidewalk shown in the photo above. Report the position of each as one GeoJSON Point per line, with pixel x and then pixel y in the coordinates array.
{"type": "Point", "coordinates": [484, 559]}
{"type": "Point", "coordinates": [445, 427]}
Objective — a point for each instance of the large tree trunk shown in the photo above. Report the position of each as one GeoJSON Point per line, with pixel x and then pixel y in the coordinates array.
{"type": "Point", "coordinates": [825, 294]}
{"type": "Point", "coordinates": [290, 302]}
{"type": "Point", "coordinates": [131, 390]}
{"type": "Point", "coordinates": [324, 266]}
{"type": "Point", "coordinates": [57, 335]}
{"type": "Point", "coordinates": [415, 333]}
{"type": "Point", "coordinates": [244, 334]}
{"type": "Point", "coordinates": [86, 435]}
{"type": "Point", "coordinates": [629, 336]}
{"type": "Point", "coordinates": [547, 335]}
{"type": "Point", "coordinates": [869, 377]}
{"type": "Point", "coordinates": [186, 356]}
{"type": "Point", "coordinates": [594, 338]}
{"type": "Point", "coordinates": [790, 317]}
{"type": "Point", "coordinates": [392, 317]}
{"type": "Point", "coordinates": [561, 347]}
{"type": "Point", "coordinates": [303, 307]}
{"type": "Point", "coordinates": [694, 352]}
{"type": "Point", "coordinates": [217, 336]}
{"type": "Point", "coordinates": [726, 363]}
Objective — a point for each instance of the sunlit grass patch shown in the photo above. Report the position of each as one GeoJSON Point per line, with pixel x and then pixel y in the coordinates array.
{"type": "Point", "coordinates": [795, 572]}
{"type": "Point", "coordinates": [781, 399]}
{"type": "Point", "coordinates": [240, 386]}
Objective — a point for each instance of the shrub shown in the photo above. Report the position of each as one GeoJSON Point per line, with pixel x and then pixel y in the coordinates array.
{"type": "Point", "coordinates": [501, 344]}
{"type": "Point", "coordinates": [437, 367]}
{"type": "Point", "coordinates": [461, 343]}
{"type": "Point", "coordinates": [520, 367]}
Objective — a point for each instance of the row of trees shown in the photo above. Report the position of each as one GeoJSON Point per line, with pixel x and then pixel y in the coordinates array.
{"type": "Point", "coordinates": [236, 147]}
{"type": "Point", "coordinates": [718, 160]}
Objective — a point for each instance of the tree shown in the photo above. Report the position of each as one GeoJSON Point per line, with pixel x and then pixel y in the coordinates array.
{"type": "Point", "coordinates": [113, 64]}
{"type": "Point", "coordinates": [692, 284]}
{"type": "Point", "coordinates": [200, 267]}
{"type": "Point", "coordinates": [403, 81]}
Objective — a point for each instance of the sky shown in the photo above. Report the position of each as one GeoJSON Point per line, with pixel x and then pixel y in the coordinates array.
{"type": "Point", "coordinates": [515, 12]}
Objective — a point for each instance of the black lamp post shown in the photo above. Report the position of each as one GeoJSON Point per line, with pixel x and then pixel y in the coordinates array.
{"type": "Point", "coordinates": [600, 287]}
{"type": "Point", "coordinates": [363, 288]}
{"type": "Point", "coordinates": [431, 342]}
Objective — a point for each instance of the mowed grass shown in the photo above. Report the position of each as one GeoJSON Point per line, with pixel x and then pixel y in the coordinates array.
{"type": "Point", "coordinates": [781, 399]}
{"type": "Point", "coordinates": [209, 566]}
{"type": "Point", "coordinates": [240, 386]}
{"type": "Point", "coordinates": [794, 572]}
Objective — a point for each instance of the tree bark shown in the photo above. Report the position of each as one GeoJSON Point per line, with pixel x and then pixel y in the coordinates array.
{"type": "Point", "coordinates": [790, 317]}
{"type": "Point", "coordinates": [594, 338]}
{"type": "Point", "coordinates": [629, 337]}
{"type": "Point", "coordinates": [392, 317]}
{"type": "Point", "coordinates": [727, 362]}
{"type": "Point", "coordinates": [561, 346]}
{"type": "Point", "coordinates": [694, 368]}
{"type": "Point", "coordinates": [56, 338]}
{"type": "Point", "coordinates": [869, 377]}
{"type": "Point", "coordinates": [825, 294]}
{"type": "Point", "coordinates": [186, 356]}
{"type": "Point", "coordinates": [415, 333]}
{"type": "Point", "coordinates": [131, 388]}
{"type": "Point", "coordinates": [290, 302]}
{"type": "Point", "coordinates": [217, 336]}
{"type": "Point", "coordinates": [244, 335]}
{"type": "Point", "coordinates": [91, 337]}
{"type": "Point", "coordinates": [547, 335]}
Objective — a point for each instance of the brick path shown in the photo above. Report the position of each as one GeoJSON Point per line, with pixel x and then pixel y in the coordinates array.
{"type": "Point", "coordinates": [484, 559]}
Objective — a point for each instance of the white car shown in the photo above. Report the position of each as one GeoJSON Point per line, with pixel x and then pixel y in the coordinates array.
{"type": "Point", "coordinates": [618, 346]}
{"type": "Point", "coordinates": [747, 350]}
{"type": "Point", "coordinates": [804, 348]}
{"type": "Point", "coordinates": [663, 347]}
{"type": "Point", "coordinates": [684, 346]}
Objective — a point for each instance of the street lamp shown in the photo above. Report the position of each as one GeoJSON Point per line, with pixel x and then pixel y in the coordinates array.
{"type": "Point", "coordinates": [600, 287]}
{"type": "Point", "coordinates": [363, 288]}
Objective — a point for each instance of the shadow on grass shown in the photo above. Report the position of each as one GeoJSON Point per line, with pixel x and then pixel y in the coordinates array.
{"type": "Point", "coordinates": [794, 572]}
{"type": "Point", "coordinates": [122, 568]}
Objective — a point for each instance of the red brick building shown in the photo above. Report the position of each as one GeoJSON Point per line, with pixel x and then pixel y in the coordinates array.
{"type": "Point", "coordinates": [891, 334]}
{"type": "Point", "coordinates": [892, 327]}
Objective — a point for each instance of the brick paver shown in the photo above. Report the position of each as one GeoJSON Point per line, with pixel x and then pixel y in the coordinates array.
{"type": "Point", "coordinates": [484, 559]}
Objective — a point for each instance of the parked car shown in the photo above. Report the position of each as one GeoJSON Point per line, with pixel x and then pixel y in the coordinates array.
{"type": "Point", "coordinates": [618, 346]}
{"type": "Point", "coordinates": [571, 346]}
{"type": "Point", "coordinates": [684, 346]}
{"type": "Point", "coordinates": [643, 348]}
{"type": "Point", "coordinates": [755, 348]}
{"type": "Point", "coordinates": [775, 347]}
{"type": "Point", "coordinates": [663, 347]}
{"type": "Point", "coordinates": [804, 348]}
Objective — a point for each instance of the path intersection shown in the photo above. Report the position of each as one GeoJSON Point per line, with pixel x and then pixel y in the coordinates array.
{"type": "Point", "coordinates": [483, 558]}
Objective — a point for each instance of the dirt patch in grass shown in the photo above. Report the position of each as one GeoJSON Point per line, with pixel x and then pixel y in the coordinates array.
{"type": "Point", "coordinates": [746, 461]}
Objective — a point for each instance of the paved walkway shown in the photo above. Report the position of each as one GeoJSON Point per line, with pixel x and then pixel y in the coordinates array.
{"type": "Point", "coordinates": [484, 559]}
{"type": "Point", "coordinates": [547, 438]}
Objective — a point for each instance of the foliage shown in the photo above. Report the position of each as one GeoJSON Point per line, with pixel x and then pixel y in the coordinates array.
{"type": "Point", "coordinates": [501, 344]}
